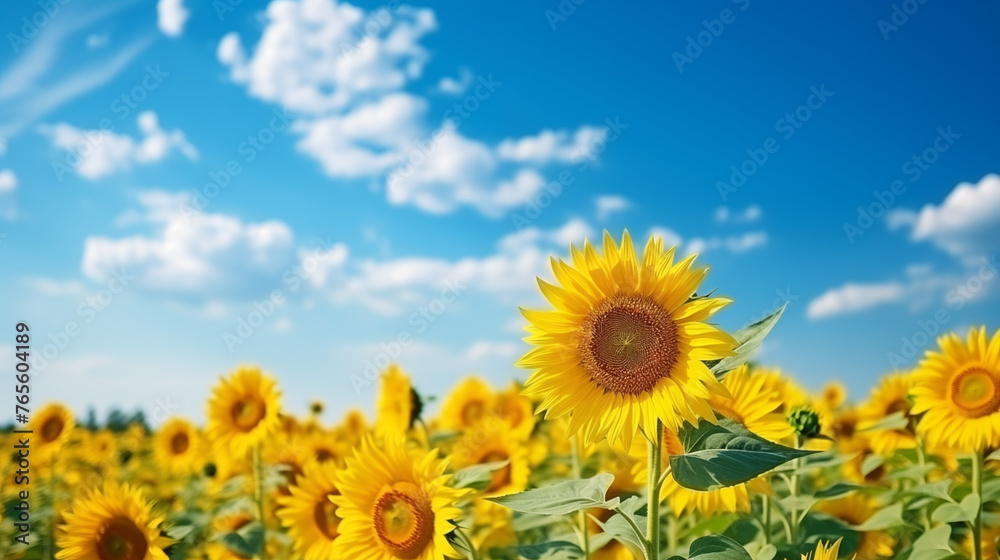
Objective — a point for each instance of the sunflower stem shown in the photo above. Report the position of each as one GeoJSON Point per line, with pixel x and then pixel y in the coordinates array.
{"type": "Point", "coordinates": [766, 522]}
{"type": "Point", "coordinates": [581, 516]}
{"type": "Point", "coordinates": [793, 491]}
{"type": "Point", "coordinates": [467, 540]}
{"type": "Point", "coordinates": [258, 472]}
{"type": "Point", "coordinates": [977, 488]}
{"type": "Point", "coordinates": [50, 488]}
{"type": "Point", "coordinates": [654, 453]}
{"type": "Point", "coordinates": [922, 460]}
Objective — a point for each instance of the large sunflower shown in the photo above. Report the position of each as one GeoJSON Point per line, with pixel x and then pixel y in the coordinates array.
{"type": "Point", "coordinates": [958, 392]}
{"type": "Point", "coordinates": [177, 446]}
{"type": "Point", "coordinates": [111, 524]}
{"type": "Point", "coordinates": [53, 424]}
{"type": "Point", "coordinates": [243, 410]}
{"type": "Point", "coordinates": [309, 514]}
{"type": "Point", "coordinates": [394, 506]}
{"type": "Point", "coordinates": [624, 344]}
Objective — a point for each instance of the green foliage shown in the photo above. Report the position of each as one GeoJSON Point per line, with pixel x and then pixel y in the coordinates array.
{"type": "Point", "coordinates": [564, 497]}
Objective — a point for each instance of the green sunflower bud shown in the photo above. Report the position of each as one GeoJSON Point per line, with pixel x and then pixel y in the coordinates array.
{"type": "Point", "coordinates": [805, 421]}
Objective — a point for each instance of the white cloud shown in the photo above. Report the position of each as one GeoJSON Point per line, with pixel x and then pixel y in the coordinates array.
{"type": "Point", "coordinates": [100, 153]}
{"type": "Point", "coordinates": [966, 224]}
{"type": "Point", "coordinates": [551, 145]}
{"type": "Point", "coordinates": [749, 214]}
{"type": "Point", "coordinates": [458, 85]}
{"type": "Point", "coordinates": [8, 181]}
{"type": "Point", "coordinates": [487, 349]}
{"type": "Point", "coordinates": [194, 252]}
{"type": "Point", "coordinates": [733, 243]}
{"type": "Point", "coordinates": [920, 286]}
{"type": "Point", "coordinates": [343, 74]}
{"type": "Point", "coordinates": [609, 204]}
{"type": "Point", "coordinates": [853, 298]}
{"type": "Point", "coordinates": [393, 286]}
{"type": "Point", "coordinates": [171, 16]}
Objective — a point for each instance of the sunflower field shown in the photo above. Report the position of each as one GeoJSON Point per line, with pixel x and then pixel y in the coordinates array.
{"type": "Point", "coordinates": [641, 431]}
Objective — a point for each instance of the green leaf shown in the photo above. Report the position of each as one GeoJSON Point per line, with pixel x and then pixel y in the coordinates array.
{"type": "Point", "coordinates": [178, 532]}
{"type": "Point", "coordinates": [937, 489]}
{"type": "Point", "coordinates": [246, 541]}
{"type": "Point", "coordinates": [953, 513]}
{"type": "Point", "coordinates": [563, 497]}
{"type": "Point", "coordinates": [618, 527]}
{"type": "Point", "coordinates": [477, 477]}
{"type": "Point", "coordinates": [759, 551]}
{"type": "Point", "coordinates": [884, 518]}
{"type": "Point", "coordinates": [716, 547]}
{"type": "Point", "coordinates": [556, 550]}
{"type": "Point", "coordinates": [837, 490]}
{"type": "Point", "coordinates": [870, 463]}
{"type": "Point", "coordinates": [933, 545]}
{"type": "Point", "coordinates": [749, 339]}
{"type": "Point", "coordinates": [894, 421]}
{"type": "Point", "coordinates": [991, 490]}
{"type": "Point", "coordinates": [725, 454]}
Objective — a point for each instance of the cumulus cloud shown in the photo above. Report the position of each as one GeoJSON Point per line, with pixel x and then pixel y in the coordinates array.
{"type": "Point", "coordinates": [8, 181]}
{"type": "Point", "coordinates": [171, 16]}
{"type": "Point", "coordinates": [343, 74]}
{"type": "Point", "coordinates": [966, 224]}
{"type": "Point", "coordinates": [458, 85]}
{"type": "Point", "coordinates": [724, 214]}
{"type": "Point", "coordinates": [852, 298]}
{"type": "Point", "coordinates": [191, 252]}
{"type": "Point", "coordinates": [733, 243]}
{"type": "Point", "coordinates": [95, 154]}
{"type": "Point", "coordinates": [488, 349]}
{"type": "Point", "coordinates": [392, 286]}
{"type": "Point", "coordinates": [609, 204]}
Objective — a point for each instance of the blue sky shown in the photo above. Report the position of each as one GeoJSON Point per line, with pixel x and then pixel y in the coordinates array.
{"type": "Point", "coordinates": [392, 173]}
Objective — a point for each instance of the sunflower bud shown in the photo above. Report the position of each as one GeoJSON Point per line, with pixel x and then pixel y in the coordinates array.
{"type": "Point", "coordinates": [805, 421]}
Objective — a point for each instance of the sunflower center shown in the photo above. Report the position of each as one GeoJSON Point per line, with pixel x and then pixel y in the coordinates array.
{"type": "Point", "coordinates": [975, 390]}
{"type": "Point", "coordinates": [472, 412]}
{"type": "Point", "coordinates": [248, 412]}
{"type": "Point", "coordinates": [325, 516]}
{"type": "Point", "coordinates": [404, 520]}
{"type": "Point", "coordinates": [323, 455]}
{"type": "Point", "coordinates": [501, 477]}
{"type": "Point", "coordinates": [120, 539]}
{"type": "Point", "coordinates": [179, 443]}
{"type": "Point", "coordinates": [628, 343]}
{"type": "Point", "coordinates": [51, 429]}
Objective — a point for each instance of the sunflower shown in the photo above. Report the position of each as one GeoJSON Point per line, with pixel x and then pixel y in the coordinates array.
{"type": "Point", "coordinates": [624, 345]}
{"type": "Point", "coordinates": [115, 523]}
{"type": "Point", "coordinates": [398, 405]}
{"type": "Point", "coordinates": [177, 445]}
{"type": "Point", "coordinates": [494, 446]}
{"type": "Point", "coordinates": [988, 543]}
{"type": "Point", "coordinates": [309, 514]}
{"type": "Point", "coordinates": [890, 397]}
{"type": "Point", "coordinates": [467, 405]}
{"type": "Point", "coordinates": [355, 426]}
{"type": "Point", "coordinates": [243, 410]}
{"type": "Point", "coordinates": [101, 448]}
{"type": "Point", "coordinates": [53, 424]}
{"type": "Point", "coordinates": [394, 506]}
{"type": "Point", "coordinates": [958, 392]}
{"type": "Point", "coordinates": [613, 550]}
{"type": "Point", "coordinates": [828, 551]}
{"type": "Point", "coordinates": [855, 509]}
{"type": "Point", "coordinates": [517, 410]}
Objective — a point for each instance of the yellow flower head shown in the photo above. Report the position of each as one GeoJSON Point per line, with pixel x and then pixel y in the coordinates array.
{"type": "Point", "coordinates": [467, 405]}
{"type": "Point", "coordinates": [397, 407]}
{"type": "Point", "coordinates": [855, 509]}
{"type": "Point", "coordinates": [308, 512]}
{"type": "Point", "coordinates": [958, 392]}
{"type": "Point", "coordinates": [243, 410]}
{"type": "Point", "coordinates": [891, 396]}
{"type": "Point", "coordinates": [395, 506]}
{"type": "Point", "coordinates": [115, 523]}
{"type": "Point", "coordinates": [623, 346]}
{"type": "Point", "coordinates": [177, 446]}
{"type": "Point", "coordinates": [494, 443]}
{"type": "Point", "coordinates": [52, 425]}
{"type": "Point", "coordinates": [828, 551]}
